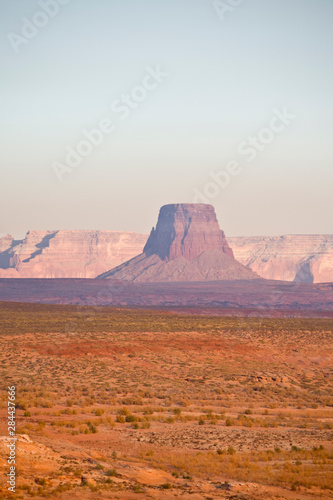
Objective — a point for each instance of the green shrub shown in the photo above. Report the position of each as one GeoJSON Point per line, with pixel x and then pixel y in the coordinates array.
{"type": "Point", "coordinates": [131, 418]}
{"type": "Point", "coordinates": [91, 428]}
{"type": "Point", "coordinates": [166, 486]}
{"type": "Point", "coordinates": [124, 411]}
{"type": "Point", "coordinates": [111, 473]}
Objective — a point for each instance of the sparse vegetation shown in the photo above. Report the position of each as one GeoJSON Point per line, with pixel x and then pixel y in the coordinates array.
{"type": "Point", "coordinates": [246, 398]}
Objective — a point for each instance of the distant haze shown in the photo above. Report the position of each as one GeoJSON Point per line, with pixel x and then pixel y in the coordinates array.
{"type": "Point", "coordinates": [227, 73]}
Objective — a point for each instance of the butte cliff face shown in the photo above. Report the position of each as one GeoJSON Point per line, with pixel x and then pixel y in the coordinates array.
{"type": "Point", "coordinates": [87, 254]}
{"type": "Point", "coordinates": [186, 230]}
{"type": "Point", "coordinates": [186, 245]}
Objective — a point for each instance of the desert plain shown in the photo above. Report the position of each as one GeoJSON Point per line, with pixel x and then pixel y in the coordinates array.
{"type": "Point", "coordinates": [120, 403]}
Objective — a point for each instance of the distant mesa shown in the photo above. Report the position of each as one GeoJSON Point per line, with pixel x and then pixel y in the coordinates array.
{"type": "Point", "coordinates": [305, 258]}
{"type": "Point", "coordinates": [67, 254]}
{"type": "Point", "coordinates": [186, 245]}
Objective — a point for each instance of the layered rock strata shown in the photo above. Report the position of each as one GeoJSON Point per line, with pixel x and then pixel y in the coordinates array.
{"type": "Point", "coordinates": [67, 254]}
{"type": "Point", "coordinates": [295, 257]}
{"type": "Point", "coordinates": [186, 245]}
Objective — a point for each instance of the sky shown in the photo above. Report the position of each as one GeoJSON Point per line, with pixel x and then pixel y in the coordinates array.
{"type": "Point", "coordinates": [113, 108]}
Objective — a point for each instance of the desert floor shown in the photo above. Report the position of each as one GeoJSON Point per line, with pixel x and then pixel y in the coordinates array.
{"type": "Point", "coordinates": [118, 403]}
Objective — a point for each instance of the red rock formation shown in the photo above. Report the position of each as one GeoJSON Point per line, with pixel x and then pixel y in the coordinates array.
{"type": "Point", "coordinates": [67, 254]}
{"type": "Point", "coordinates": [186, 230]}
{"type": "Point", "coordinates": [187, 245]}
{"type": "Point", "coordinates": [306, 258]}
{"type": "Point", "coordinates": [87, 254]}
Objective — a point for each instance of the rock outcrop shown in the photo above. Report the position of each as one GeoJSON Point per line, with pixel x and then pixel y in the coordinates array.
{"type": "Point", "coordinates": [186, 230]}
{"type": "Point", "coordinates": [300, 258]}
{"type": "Point", "coordinates": [66, 254]}
{"type": "Point", "coordinates": [186, 245]}
{"type": "Point", "coordinates": [87, 254]}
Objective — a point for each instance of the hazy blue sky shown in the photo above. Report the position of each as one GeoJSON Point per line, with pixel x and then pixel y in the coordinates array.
{"type": "Point", "coordinates": [226, 75]}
